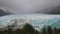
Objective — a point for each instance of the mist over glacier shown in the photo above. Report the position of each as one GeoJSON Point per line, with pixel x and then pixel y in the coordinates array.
{"type": "Point", "coordinates": [38, 21]}
{"type": "Point", "coordinates": [30, 6]}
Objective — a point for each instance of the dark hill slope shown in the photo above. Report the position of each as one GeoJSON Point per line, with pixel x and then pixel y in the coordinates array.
{"type": "Point", "coordinates": [3, 13]}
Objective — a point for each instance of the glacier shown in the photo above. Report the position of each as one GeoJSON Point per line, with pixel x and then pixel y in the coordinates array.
{"type": "Point", "coordinates": [38, 21]}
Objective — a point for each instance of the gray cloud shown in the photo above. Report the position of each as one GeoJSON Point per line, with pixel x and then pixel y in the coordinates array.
{"type": "Point", "coordinates": [29, 6]}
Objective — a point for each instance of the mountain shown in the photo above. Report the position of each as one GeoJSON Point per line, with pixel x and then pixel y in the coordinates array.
{"type": "Point", "coordinates": [50, 10]}
{"type": "Point", "coordinates": [2, 12]}
{"type": "Point", "coordinates": [54, 10]}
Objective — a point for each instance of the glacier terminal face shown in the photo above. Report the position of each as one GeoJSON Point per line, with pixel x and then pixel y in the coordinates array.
{"type": "Point", "coordinates": [38, 21]}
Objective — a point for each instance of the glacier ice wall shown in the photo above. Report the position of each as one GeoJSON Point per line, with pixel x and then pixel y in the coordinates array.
{"type": "Point", "coordinates": [38, 21]}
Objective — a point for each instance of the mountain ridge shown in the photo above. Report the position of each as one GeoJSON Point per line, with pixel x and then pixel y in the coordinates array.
{"type": "Point", "coordinates": [3, 13]}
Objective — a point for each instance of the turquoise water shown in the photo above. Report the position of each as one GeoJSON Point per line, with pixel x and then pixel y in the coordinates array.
{"type": "Point", "coordinates": [37, 20]}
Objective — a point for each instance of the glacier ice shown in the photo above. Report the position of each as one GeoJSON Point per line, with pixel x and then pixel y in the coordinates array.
{"type": "Point", "coordinates": [37, 21]}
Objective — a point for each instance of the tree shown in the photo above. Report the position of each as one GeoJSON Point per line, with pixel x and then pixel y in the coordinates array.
{"type": "Point", "coordinates": [49, 30]}
{"type": "Point", "coordinates": [36, 32]}
{"type": "Point", "coordinates": [43, 30]}
{"type": "Point", "coordinates": [9, 30]}
{"type": "Point", "coordinates": [17, 31]}
{"type": "Point", "coordinates": [55, 31]}
{"type": "Point", "coordinates": [5, 31]}
{"type": "Point", "coordinates": [28, 29]}
{"type": "Point", "coordinates": [59, 31]}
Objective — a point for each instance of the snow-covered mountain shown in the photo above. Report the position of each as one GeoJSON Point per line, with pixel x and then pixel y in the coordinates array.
{"type": "Point", "coordinates": [38, 21]}
{"type": "Point", "coordinates": [2, 12]}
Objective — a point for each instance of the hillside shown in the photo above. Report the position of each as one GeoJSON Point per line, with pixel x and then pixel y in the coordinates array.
{"type": "Point", "coordinates": [3, 13]}
{"type": "Point", "coordinates": [54, 10]}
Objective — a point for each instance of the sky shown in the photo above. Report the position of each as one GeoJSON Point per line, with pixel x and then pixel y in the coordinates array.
{"type": "Point", "coordinates": [28, 6]}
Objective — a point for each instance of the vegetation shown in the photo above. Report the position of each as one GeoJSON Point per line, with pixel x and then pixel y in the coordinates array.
{"type": "Point", "coordinates": [49, 30]}
{"type": "Point", "coordinates": [43, 30]}
{"type": "Point", "coordinates": [28, 29]}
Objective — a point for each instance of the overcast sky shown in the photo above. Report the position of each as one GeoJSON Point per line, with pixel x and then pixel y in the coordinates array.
{"type": "Point", "coordinates": [28, 6]}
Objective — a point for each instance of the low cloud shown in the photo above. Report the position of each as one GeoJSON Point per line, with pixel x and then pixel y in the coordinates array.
{"type": "Point", "coordinates": [30, 6]}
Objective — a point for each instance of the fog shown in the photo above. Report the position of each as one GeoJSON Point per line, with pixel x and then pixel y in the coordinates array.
{"type": "Point", "coordinates": [28, 6]}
